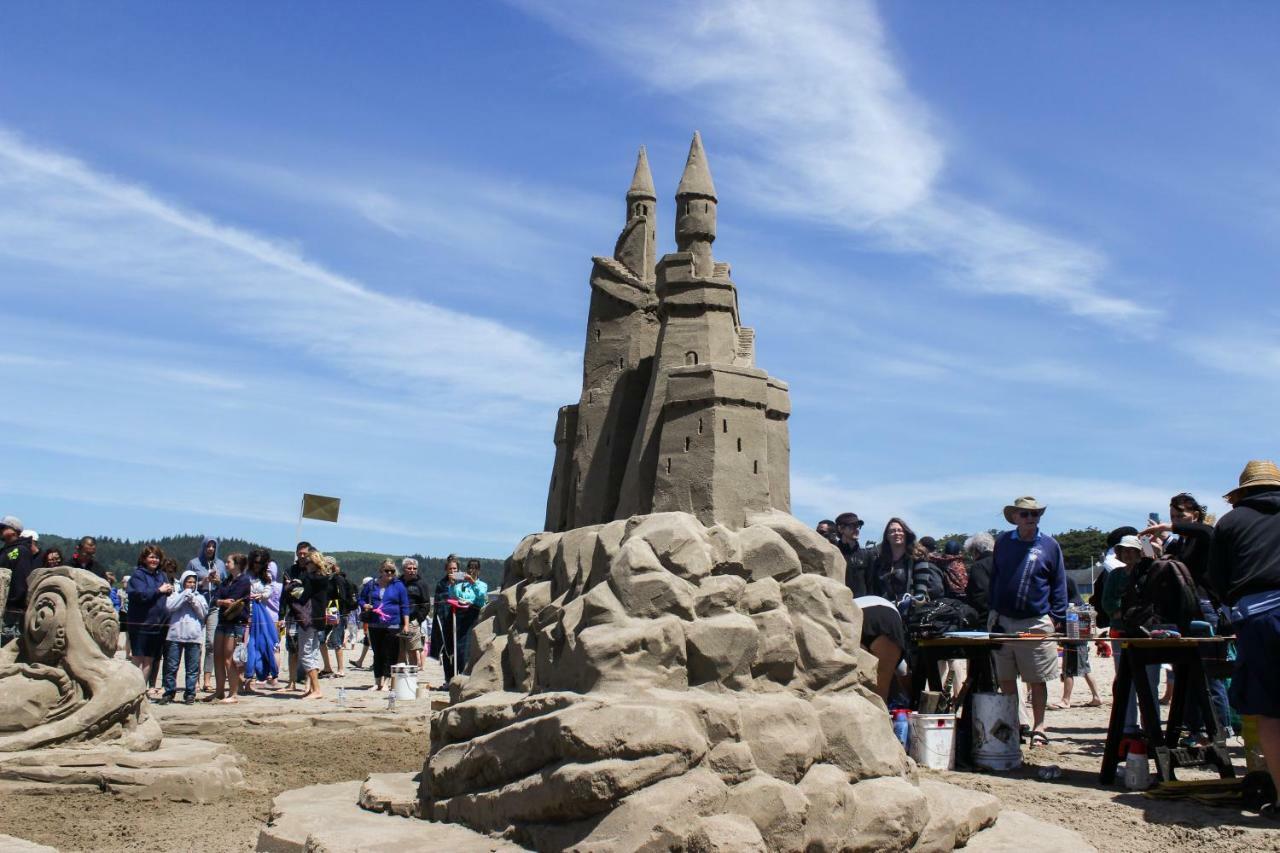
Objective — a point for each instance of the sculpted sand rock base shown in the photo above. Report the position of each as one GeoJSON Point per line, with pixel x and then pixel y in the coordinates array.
{"type": "Point", "coordinates": [658, 683]}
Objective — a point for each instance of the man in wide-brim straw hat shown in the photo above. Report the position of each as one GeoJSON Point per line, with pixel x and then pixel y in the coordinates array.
{"type": "Point", "coordinates": [1244, 570]}
{"type": "Point", "coordinates": [1028, 595]}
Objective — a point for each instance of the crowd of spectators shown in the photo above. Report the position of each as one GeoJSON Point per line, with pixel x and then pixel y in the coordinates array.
{"type": "Point", "coordinates": [234, 624]}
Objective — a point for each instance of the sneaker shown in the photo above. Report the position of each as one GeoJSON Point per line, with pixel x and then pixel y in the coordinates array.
{"type": "Point", "coordinates": [164, 700]}
{"type": "Point", "coordinates": [188, 700]}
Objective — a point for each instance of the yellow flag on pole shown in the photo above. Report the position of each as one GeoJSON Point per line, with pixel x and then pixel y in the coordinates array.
{"type": "Point", "coordinates": [320, 507]}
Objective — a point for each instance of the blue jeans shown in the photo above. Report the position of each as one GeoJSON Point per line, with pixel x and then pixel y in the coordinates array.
{"type": "Point", "coordinates": [1217, 688]}
{"type": "Point", "coordinates": [1131, 708]}
{"type": "Point", "coordinates": [191, 668]}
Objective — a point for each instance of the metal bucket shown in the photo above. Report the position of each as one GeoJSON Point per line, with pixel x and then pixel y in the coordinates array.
{"type": "Point", "coordinates": [995, 731]}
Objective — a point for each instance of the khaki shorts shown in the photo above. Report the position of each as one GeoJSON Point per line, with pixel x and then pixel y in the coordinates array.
{"type": "Point", "coordinates": [411, 640]}
{"type": "Point", "coordinates": [1034, 663]}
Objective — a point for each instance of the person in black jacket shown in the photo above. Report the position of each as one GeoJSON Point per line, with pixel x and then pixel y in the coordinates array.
{"type": "Point", "coordinates": [980, 547]}
{"type": "Point", "coordinates": [1187, 538]}
{"type": "Point", "coordinates": [16, 557]}
{"type": "Point", "coordinates": [857, 571]}
{"type": "Point", "coordinates": [1244, 570]}
{"type": "Point", "coordinates": [411, 642]}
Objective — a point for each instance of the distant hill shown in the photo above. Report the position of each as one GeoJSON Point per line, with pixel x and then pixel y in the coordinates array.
{"type": "Point", "coordinates": [121, 555]}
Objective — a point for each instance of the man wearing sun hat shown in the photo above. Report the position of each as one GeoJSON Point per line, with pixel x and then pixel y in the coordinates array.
{"type": "Point", "coordinates": [1028, 596]}
{"type": "Point", "coordinates": [1244, 570]}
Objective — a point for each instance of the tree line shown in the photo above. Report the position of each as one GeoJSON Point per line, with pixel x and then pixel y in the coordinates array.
{"type": "Point", "coordinates": [121, 555]}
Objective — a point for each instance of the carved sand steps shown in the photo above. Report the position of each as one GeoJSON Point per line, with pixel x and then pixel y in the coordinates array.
{"type": "Point", "coordinates": [181, 769]}
{"type": "Point", "coordinates": [331, 819]}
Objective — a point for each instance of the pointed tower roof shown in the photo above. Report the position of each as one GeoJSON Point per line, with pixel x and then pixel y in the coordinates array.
{"type": "Point", "coordinates": [696, 179]}
{"type": "Point", "coordinates": [642, 180]}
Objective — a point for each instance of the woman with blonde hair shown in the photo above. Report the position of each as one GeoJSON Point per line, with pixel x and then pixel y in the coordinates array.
{"type": "Point", "coordinates": [384, 607]}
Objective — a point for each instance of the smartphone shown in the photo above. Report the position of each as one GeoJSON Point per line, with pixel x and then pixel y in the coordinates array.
{"type": "Point", "coordinates": [1153, 518]}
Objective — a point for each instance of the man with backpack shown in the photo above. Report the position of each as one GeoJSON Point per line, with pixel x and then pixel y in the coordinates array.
{"type": "Point", "coordinates": [1244, 570]}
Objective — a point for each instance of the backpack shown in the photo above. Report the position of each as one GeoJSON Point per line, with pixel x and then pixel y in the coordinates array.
{"type": "Point", "coordinates": [345, 593]}
{"type": "Point", "coordinates": [1165, 594]}
{"type": "Point", "coordinates": [939, 616]}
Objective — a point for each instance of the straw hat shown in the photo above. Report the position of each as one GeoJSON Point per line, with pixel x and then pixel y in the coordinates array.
{"type": "Point", "coordinates": [1259, 472]}
{"type": "Point", "coordinates": [1025, 502]}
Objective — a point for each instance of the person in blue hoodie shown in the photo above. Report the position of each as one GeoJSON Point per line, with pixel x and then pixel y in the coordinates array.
{"type": "Point", "coordinates": [470, 593]}
{"type": "Point", "coordinates": [187, 610]}
{"type": "Point", "coordinates": [148, 617]}
{"type": "Point", "coordinates": [210, 571]}
{"type": "Point", "coordinates": [384, 605]}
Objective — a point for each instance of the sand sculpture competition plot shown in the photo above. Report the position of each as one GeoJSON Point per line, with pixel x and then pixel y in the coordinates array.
{"type": "Point", "coordinates": [675, 663]}
{"type": "Point", "coordinates": [74, 717]}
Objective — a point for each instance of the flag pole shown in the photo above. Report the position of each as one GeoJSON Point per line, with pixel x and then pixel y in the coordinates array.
{"type": "Point", "coordinates": [298, 533]}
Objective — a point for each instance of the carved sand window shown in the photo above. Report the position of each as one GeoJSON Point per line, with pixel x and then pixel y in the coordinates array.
{"type": "Point", "coordinates": [739, 445]}
{"type": "Point", "coordinates": [691, 357]}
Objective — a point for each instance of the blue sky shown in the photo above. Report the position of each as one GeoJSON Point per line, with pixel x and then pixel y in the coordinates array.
{"type": "Point", "coordinates": [997, 249]}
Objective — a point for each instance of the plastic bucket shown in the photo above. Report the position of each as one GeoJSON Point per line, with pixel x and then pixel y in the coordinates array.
{"type": "Point", "coordinates": [995, 731]}
{"type": "Point", "coordinates": [404, 680]}
{"type": "Point", "coordinates": [933, 740]}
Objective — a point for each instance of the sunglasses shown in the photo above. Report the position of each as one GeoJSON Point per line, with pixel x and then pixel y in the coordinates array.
{"type": "Point", "coordinates": [388, 571]}
{"type": "Point", "coordinates": [1028, 513]}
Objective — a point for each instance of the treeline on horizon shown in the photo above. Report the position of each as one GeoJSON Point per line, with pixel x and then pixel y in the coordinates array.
{"type": "Point", "coordinates": [1080, 550]}
{"type": "Point", "coordinates": [121, 555]}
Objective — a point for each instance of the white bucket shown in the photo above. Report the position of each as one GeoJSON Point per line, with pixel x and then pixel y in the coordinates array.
{"type": "Point", "coordinates": [933, 740]}
{"type": "Point", "coordinates": [404, 680]}
{"type": "Point", "coordinates": [995, 731]}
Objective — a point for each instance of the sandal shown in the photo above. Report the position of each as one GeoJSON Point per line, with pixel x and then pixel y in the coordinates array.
{"type": "Point", "coordinates": [1057, 706]}
{"type": "Point", "coordinates": [1038, 738]}
{"type": "Point", "coordinates": [1093, 703]}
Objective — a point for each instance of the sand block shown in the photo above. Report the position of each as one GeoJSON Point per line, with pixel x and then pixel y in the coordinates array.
{"type": "Point", "coordinates": [181, 769]}
{"type": "Point", "coordinates": [9, 844]}
{"type": "Point", "coordinates": [328, 819]}
{"type": "Point", "coordinates": [955, 815]}
{"type": "Point", "coordinates": [390, 793]}
{"type": "Point", "coordinates": [1015, 832]}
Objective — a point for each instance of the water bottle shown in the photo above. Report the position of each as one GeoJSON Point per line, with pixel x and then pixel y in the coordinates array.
{"type": "Point", "coordinates": [342, 697]}
{"type": "Point", "coordinates": [902, 725]}
{"type": "Point", "coordinates": [1073, 623]}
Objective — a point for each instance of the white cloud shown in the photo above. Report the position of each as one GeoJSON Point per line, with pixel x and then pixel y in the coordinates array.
{"type": "Point", "coordinates": [817, 122]}
{"type": "Point", "coordinates": [61, 213]}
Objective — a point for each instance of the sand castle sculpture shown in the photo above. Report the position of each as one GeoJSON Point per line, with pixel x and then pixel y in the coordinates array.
{"type": "Point", "coordinates": [74, 716]}
{"type": "Point", "coordinates": [675, 662]}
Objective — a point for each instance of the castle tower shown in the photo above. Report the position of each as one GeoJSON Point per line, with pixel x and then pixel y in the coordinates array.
{"type": "Point", "coordinates": [696, 209]}
{"type": "Point", "coordinates": [559, 495]}
{"type": "Point", "coordinates": [713, 450]}
{"type": "Point", "coordinates": [622, 332]}
{"type": "Point", "coordinates": [698, 313]}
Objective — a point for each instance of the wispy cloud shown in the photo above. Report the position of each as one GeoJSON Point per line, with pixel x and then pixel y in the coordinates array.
{"type": "Point", "coordinates": [824, 127]}
{"type": "Point", "coordinates": [61, 213]}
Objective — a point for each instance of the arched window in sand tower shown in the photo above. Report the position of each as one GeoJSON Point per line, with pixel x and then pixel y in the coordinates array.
{"type": "Point", "coordinates": [691, 357]}
{"type": "Point", "coordinates": [687, 442]}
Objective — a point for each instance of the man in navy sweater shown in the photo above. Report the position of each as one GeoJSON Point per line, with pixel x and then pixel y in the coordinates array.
{"type": "Point", "coordinates": [1028, 596]}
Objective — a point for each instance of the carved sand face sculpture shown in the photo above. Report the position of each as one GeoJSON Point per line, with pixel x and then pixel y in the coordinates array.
{"type": "Point", "coordinates": [59, 682]}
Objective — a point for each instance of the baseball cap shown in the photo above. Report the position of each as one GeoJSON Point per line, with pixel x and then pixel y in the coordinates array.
{"type": "Point", "coordinates": [11, 521]}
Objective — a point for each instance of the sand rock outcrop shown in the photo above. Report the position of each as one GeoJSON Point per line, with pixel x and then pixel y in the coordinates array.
{"type": "Point", "coordinates": [655, 681]}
